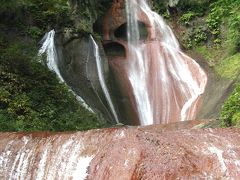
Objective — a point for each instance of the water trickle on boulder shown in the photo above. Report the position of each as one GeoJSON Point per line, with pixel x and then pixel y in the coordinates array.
{"type": "Point", "coordinates": [102, 80]}
{"type": "Point", "coordinates": [48, 47]}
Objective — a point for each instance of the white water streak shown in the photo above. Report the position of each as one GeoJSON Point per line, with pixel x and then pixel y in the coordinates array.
{"type": "Point", "coordinates": [58, 158]}
{"type": "Point", "coordinates": [48, 47]}
{"type": "Point", "coordinates": [102, 80]}
{"type": "Point", "coordinates": [219, 154]}
{"type": "Point", "coordinates": [137, 71]}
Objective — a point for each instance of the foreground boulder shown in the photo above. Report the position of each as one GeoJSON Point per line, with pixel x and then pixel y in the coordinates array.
{"type": "Point", "coordinates": [153, 152]}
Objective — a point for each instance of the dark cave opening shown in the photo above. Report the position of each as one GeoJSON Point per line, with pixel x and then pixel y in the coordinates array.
{"type": "Point", "coordinates": [114, 49]}
{"type": "Point", "coordinates": [121, 31]}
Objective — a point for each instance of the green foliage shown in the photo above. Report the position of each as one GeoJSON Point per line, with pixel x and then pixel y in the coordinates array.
{"type": "Point", "coordinates": [191, 16]}
{"type": "Point", "coordinates": [200, 35]}
{"type": "Point", "coordinates": [160, 7]}
{"type": "Point", "coordinates": [197, 6]}
{"type": "Point", "coordinates": [197, 36]}
{"type": "Point", "coordinates": [33, 17]}
{"type": "Point", "coordinates": [219, 27]}
{"type": "Point", "coordinates": [31, 97]}
{"type": "Point", "coordinates": [227, 67]}
{"type": "Point", "coordinates": [188, 43]}
{"type": "Point", "coordinates": [230, 115]}
{"type": "Point", "coordinates": [187, 17]}
{"type": "Point", "coordinates": [10, 6]}
{"type": "Point", "coordinates": [234, 30]}
{"type": "Point", "coordinates": [85, 13]}
{"type": "Point", "coordinates": [34, 32]}
{"type": "Point", "coordinates": [225, 11]}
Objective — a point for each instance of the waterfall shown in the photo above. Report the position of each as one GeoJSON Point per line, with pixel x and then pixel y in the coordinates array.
{"type": "Point", "coordinates": [101, 78]}
{"type": "Point", "coordinates": [166, 83]}
{"type": "Point", "coordinates": [137, 70]}
{"type": "Point", "coordinates": [48, 47]}
{"type": "Point", "coordinates": [162, 84]}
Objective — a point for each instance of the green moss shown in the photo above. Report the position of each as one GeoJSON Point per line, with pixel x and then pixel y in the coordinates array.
{"type": "Point", "coordinates": [229, 67]}
{"type": "Point", "coordinates": [213, 55]}
{"type": "Point", "coordinates": [219, 60]}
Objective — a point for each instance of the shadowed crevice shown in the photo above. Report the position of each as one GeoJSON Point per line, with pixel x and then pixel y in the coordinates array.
{"type": "Point", "coordinates": [121, 31]}
{"type": "Point", "coordinates": [114, 49]}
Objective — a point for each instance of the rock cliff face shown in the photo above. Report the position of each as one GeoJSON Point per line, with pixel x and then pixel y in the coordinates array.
{"type": "Point", "coordinates": [152, 152]}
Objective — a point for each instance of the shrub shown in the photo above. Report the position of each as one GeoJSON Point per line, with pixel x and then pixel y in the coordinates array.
{"type": "Point", "coordinates": [187, 17]}
{"type": "Point", "coordinates": [200, 35]}
{"type": "Point", "coordinates": [230, 115]}
{"type": "Point", "coordinates": [225, 10]}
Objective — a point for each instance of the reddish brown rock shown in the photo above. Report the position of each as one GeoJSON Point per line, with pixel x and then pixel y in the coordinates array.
{"type": "Point", "coordinates": [151, 152]}
{"type": "Point", "coordinates": [173, 82]}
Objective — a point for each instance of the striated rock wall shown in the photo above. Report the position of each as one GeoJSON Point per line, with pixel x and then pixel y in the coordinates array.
{"type": "Point", "coordinates": [153, 152]}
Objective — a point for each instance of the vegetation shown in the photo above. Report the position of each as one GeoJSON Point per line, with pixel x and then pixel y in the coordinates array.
{"type": "Point", "coordinates": [33, 17]}
{"type": "Point", "coordinates": [220, 24]}
{"type": "Point", "coordinates": [31, 97]}
{"type": "Point", "coordinates": [225, 12]}
{"type": "Point", "coordinates": [229, 67]}
{"type": "Point", "coordinates": [230, 115]}
{"type": "Point", "coordinates": [187, 17]}
{"type": "Point", "coordinates": [85, 13]}
{"type": "Point", "coordinates": [225, 65]}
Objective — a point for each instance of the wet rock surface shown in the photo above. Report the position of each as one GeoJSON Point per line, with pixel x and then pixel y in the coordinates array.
{"type": "Point", "coordinates": [151, 152]}
{"type": "Point", "coordinates": [77, 66]}
{"type": "Point", "coordinates": [173, 84]}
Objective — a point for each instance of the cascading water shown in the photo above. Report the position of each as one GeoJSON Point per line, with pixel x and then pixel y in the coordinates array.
{"type": "Point", "coordinates": [166, 83]}
{"type": "Point", "coordinates": [102, 80]}
{"type": "Point", "coordinates": [137, 67]}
